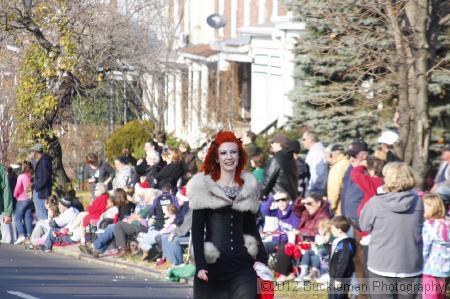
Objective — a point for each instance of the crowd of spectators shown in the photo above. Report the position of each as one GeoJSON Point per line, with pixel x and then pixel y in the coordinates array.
{"type": "Point", "coordinates": [339, 216]}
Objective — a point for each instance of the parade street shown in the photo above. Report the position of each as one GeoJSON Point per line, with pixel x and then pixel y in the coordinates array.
{"type": "Point", "coordinates": [34, 274]}
{"type": "Point", "coordinates": [224, 149]}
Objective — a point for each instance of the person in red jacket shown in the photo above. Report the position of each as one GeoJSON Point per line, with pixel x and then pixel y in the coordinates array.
{"type": "Point", "coordinates": [368, 175]}
{"type": "Point", "coordinates": [93, 212]}
{"type": "Point", "coordinates": [98, 206]}
{"type": "Point", "coordinates": [311, 210]}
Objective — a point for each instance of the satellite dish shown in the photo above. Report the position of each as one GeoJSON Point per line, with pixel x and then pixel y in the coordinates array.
{"type": "Point", "coordinates": [216, 21]}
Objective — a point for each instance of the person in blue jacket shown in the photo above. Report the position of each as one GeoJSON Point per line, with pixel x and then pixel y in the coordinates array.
{"type": "Point", "coordinates": [42, 184]}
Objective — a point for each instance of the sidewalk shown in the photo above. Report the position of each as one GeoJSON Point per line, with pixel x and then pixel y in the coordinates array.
{"type": "Point", "coordinates": [73, 251]}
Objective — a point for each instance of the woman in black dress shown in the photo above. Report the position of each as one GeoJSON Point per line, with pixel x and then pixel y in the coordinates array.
{"type": "Point", "coordinates": [226, 242]}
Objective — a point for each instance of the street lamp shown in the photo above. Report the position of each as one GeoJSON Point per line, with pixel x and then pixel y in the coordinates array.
{"type": "Point", "coordinates": [114, 76]}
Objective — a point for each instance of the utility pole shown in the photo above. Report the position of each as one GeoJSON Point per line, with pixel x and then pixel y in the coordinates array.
{"type": "Point", "coordinates": [125, 106]}
{"type": "Point", "coordinates": [110, 111]}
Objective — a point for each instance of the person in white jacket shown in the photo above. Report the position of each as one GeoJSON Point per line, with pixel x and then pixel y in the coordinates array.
{"type": "Point", "coordinates": [318, 166]}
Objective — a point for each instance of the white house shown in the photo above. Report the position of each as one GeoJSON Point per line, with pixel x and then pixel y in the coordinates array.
{"type": "Point", "coordinates": [239, 74]}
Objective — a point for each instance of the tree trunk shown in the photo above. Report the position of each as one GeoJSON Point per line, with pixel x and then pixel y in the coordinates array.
{"type": "Point", "coordinates": [421, 58]}
{"type": "Point", "coordinates": [403, 86]}
{"type": "Point", "coordinates": [403, 110]}
{"type": "Point", "coordinates": [413, 50]}
{"type": "Point", "coordinates": [406, 119]}
{"type": "Point", "coordinates": [412, 96]}
{"type": "Point", "coordinates": [62, 185]}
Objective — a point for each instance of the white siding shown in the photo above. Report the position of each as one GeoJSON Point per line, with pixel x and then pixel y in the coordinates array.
{"type": "Point", "coordinates": [271, 81]}
{"type": "Point", "coordinates": [234, 15]}
{"type": "Point", "coordinates": [261, 11]}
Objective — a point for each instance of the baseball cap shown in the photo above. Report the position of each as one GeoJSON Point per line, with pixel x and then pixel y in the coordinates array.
{"type": "Point", "coordinates": [388, 137]}
{"type": "Point", "coordinates": [280, 138]}
{"type": "Point", "coordinates": [337, 147]}
{"type": "Point", "coordinates": [37, 147]}
{"type": "Point", "coordinates": [357, 146]}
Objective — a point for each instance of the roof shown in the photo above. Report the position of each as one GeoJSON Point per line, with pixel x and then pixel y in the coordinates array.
{"type": "Point", "coordinates": [203, 50]}
{"type": "Point", "coordinates": [239, 41]}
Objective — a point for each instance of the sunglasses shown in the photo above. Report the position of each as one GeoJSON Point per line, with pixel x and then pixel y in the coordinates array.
{"type": "Point", "coordinates": [281, 199]}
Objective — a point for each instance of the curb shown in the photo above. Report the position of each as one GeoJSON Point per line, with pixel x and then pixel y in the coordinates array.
{"type": "Point", "coordinates": [109, 262]}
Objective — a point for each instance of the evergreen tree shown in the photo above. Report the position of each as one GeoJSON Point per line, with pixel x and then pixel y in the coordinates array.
{"type": "Point", "coordinates": [337, 96]}
{"type": "Point", "coordinates": [360, 61]}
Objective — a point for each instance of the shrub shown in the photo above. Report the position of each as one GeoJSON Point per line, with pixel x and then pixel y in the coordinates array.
{"type": "Point", "coordinates": [172, 141]}
{"type": "Point", "coordinates": [133, 136]}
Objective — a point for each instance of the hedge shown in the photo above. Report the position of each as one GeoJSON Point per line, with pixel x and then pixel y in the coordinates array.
{"type": "Point", "coordinates": [132, 135]}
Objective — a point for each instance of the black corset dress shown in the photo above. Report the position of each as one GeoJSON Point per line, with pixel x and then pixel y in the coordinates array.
{"type": "Point", "coordinates": [224, 227]}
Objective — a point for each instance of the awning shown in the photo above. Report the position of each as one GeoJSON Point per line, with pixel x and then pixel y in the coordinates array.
{"type": "Point", "coordinates": [202, 52]}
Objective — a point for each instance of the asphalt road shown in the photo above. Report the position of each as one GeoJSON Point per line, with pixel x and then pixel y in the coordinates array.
{"type": "Point", "coordinates": [38, 275]}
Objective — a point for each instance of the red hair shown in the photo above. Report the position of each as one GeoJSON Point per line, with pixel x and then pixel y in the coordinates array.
{"type": "Point", "coordinates": [212, 167]}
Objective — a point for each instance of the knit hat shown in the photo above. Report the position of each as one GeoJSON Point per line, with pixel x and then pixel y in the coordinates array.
{"type": "Point", "coordinates": [294, 145]}
{"type": "Point", "coordinates": [181, 195]}
{"type": "Point", "coordinates": [145, 184]}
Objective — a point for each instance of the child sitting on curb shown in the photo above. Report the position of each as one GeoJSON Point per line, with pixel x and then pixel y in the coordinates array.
{"type": "Point", "coordinates": [61, 226]}
{"type": "Point", "coordinates": [170, 225]}
{"type": "Point", "coordinates": [159, 220]}
{"type": "Point", "coordinates": [42, 227]}
{"type": "Point", "coordinates": [317, 258]}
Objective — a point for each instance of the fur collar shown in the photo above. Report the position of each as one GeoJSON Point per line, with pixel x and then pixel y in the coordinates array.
{"type": "Point", "coordinates": [204, 193]}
